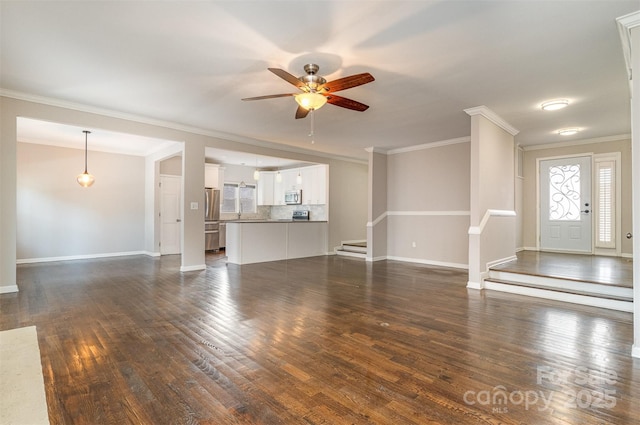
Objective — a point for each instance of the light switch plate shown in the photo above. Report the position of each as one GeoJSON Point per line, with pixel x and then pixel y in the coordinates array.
{"type": "Point", "coordinates": [194, 205]}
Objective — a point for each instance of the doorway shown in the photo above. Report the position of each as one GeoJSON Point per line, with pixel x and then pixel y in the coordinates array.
{"type": "Point", "coordinates": [170, 221]}
{"type": "Point", "coordinates": [565, 213]}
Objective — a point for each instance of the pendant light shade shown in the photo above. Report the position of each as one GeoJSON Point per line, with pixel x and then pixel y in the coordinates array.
{"type": "Point", "coordinates": [279, 177]}
{"type": "Point", "coordinates": [85, 179]}
{"type": "Point", "coordinates": [299, 178]}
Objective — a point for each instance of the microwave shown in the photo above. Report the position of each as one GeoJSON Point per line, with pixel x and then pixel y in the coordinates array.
{"type": "Point", "coordinates": [293, 197]}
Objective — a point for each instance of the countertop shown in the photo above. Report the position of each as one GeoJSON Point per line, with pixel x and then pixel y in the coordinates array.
{"type": "Point", "coordinates": [284, 220]}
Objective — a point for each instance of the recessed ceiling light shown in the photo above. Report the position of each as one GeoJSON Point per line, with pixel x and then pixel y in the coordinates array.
{"type": "Point", "coordinates": [568, 131]}
{"type": "Point", "coordinates": [554, 105]}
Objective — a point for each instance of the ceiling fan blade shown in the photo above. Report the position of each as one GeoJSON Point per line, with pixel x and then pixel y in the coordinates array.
{"type": "Point", "coordinates": [301, 112]}
{"type": "Point", "coordinates": [270, 96]}
{"type": "Point", "coordinates": [346, 103]}
{"type": "Point", "coordinates": [288, 77]}
{"type": "Point", "coordinates": [347, 82]}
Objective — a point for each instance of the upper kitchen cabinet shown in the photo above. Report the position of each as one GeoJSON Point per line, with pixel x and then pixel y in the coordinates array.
{"type": "Point", "coordinates": [213, 175]}
{"type": "Point", "coordinates": [266, 185]}
{"type": "Point", "coordinates": [314, 185]}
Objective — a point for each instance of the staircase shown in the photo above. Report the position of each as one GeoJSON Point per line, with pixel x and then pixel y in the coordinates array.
{"type": "Point", "coordinates": [355, 249]}
{"type": "Point", "coordinates": [615, 297]}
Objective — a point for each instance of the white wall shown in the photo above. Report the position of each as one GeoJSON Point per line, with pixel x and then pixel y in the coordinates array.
{"type": "Point", "coordinates": [428, 204]}
{"type": "Point", "coordinates": [56, 217]}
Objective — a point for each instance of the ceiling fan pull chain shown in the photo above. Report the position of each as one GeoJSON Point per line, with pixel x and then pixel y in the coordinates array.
{"type": "Point", "coordinates": [311, 134]}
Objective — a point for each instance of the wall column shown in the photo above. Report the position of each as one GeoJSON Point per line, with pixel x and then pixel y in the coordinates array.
{"type": "Point", "coordinates": [492, 214]}
{"type": "Point", "coordinates": [629, 27]}
{"type": "Point", "coordinates": [377, 209]}
{"type": "Point", "coordinates": [193, 218]}
{"type": "Point", "coordinates": [8, 217]}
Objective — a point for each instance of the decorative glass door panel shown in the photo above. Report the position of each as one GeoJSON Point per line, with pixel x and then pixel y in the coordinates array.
{"type": "Point", "coordinates": [565, 204]}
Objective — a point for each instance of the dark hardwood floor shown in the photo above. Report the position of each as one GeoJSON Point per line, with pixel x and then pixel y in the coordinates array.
{"type": "Point", "coordinates": [323, 340]}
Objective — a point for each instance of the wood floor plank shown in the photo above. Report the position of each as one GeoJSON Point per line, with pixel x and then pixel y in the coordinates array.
{"type": "Point", "coordinates": [321, 340]}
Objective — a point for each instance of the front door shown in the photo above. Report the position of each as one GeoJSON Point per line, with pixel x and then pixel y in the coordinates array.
{"type": "Point", "coordinates": [565, 204]}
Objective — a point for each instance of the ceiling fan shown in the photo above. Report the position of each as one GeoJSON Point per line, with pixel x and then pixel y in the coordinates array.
{"type": "Point", "coordinates": [316, 91]}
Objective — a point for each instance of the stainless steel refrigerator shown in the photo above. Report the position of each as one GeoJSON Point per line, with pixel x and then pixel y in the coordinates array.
{"type": "Point", "coordinates": [211, 219]}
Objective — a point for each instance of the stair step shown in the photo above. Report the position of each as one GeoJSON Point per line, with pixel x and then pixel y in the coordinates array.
{"type": "Point", "coordinates": [563, 285]}
{"type": "Point", "coordinates": [558, 295]}
{"type": "Point", "coordinates": [353, 254]}
{"type": "Point", "coordinates": [564, 290]}
{"type": "Point", "coordinates": [354, 248]}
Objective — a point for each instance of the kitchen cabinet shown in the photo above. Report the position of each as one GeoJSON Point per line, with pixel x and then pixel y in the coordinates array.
{"type": "Point", "coordinates": [212, 176]}
{"type": "Point", "coordinates": [314, 185]}
{"type": "Point", "coordinates": [266, 186]}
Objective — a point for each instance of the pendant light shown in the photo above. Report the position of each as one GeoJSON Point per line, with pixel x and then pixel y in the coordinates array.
{"type": "Point", "coordinates": [85, 179]}
{"type": "Point", "coordinates": [299, 178]}
{"type": "Point", "coordinates": [279, 177]}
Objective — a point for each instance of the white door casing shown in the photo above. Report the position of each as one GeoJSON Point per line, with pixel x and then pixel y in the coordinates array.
{"type": "Point", "coordinates": [565, 215]}
{"type": "Point", "coordinates": [171, 224]}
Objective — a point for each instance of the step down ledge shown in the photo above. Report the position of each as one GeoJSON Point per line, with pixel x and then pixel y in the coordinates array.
{"type": "Point", "coordinates": [562, 284]}
{"type": "Point", "coordinates": [625, 306]}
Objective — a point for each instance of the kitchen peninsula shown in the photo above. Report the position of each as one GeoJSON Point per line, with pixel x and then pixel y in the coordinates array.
{"type": "Point", "coordinates": [256, 241]}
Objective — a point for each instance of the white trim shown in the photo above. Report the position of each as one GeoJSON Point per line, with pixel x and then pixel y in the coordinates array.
{"type": "Point", "coordinates": [8, 289]}
{"type": "Point", "coordinates": [474, 285]}
{"type": "Point", "coordinates": [477, 230]}
{"type": "Point", "coordinates": [170, 125]}
{"type": "Point", "coordinates": [381, 258]}
{"type": "Point", "coordinates": [625, 24]}
{"type": "Point", "coordinates": [466, 139]}
{"type": "Point", "coordinates": [417, 214]}
{"type": "Point", "coordinates": [373, 149]}
{"type": "Point", "coordinates": [626, 255]}
{"type": "Point", "coordinates": [501, 261]}
{"type": "Point", "coordinates": [429, 262]}
{"type": "Point", "coordinates": [626, 306]}
{"type": "Point", "coordinates": [151, 254]}
{"type": "Point", "coordinates": [78, 257]}
{"type": "Point", "coordinates": [197, 267]}
{"type": "Point", "coordinates": [635, 351]}
{"type": "Point", "coordinates": [606, 139]}
{"type": "Point", "coordinates": [493, 117]}
{"type": "Point", "coordinates": [377, 220]}
{"type": "Point", "coordinates": [429, 213]}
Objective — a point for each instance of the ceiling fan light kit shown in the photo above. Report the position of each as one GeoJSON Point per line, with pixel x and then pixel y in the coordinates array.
{"type": "Point", "coordinates": [316, 91]}
{"type": "Point", "coordinates": [310, 101]}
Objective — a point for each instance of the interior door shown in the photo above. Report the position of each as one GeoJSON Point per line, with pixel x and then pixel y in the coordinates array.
{"type": "Point", "coordinates": [171, 224]}
{"type": "Point", "coordinates": [565, 205]}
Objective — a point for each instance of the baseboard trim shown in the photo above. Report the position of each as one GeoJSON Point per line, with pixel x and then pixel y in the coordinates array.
{"type": "Point", "coordinates": [474, 285]}
{"type": "Point", "coordinates": [78, 257]}
{"type": "Point", "coordinates": [430, 262]}
{"type": "Point", "coordinates": [10, 289]}
{"type": "Point", "coordinates": [635, 351]}
{"type": "Point", "coordinates": [197, 267]}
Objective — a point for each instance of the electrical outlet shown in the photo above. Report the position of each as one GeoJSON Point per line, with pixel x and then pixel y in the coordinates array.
{"type": "Point", "coordinates": [194, 205]}
{"type": "Point", "coordinates": [413, 244]}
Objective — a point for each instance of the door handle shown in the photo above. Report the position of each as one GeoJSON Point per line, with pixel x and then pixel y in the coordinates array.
{"type": "Point", "coordinates": [585, 211]}
{"type": "Point", "coordinates": [178, 220]}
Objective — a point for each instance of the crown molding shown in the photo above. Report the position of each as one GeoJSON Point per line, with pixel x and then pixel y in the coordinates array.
{"type": "Point", "coordinates": [448, 142]}
{"type": "Point", "coordinates": [171, 125]}
{"type": "Point", "coordinates": [625, 24]}
{"type": "Point", "coordinates": [605, 139]}
{"type": "Point", "coordinates": [493, 117]}
{"type": "Point", "coordinates": [374, 149]}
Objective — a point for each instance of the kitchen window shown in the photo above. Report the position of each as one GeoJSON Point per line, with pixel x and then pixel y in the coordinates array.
{"type": "Point", "coordinates": [239, 198]}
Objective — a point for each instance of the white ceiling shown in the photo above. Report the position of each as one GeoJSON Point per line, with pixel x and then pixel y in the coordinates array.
{"type": "Point", "coordinates": [190, 63]}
